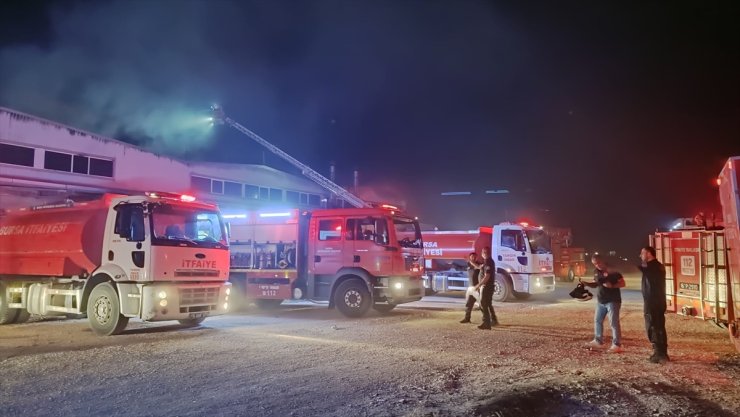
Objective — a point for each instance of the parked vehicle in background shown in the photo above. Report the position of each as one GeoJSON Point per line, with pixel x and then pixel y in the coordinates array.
{"type": "Point", "coordinates": [569, 261]}
{"type": "Point", "coordinates": [521, 252]}
{"type": "Point", "coordinates": [703, 261]}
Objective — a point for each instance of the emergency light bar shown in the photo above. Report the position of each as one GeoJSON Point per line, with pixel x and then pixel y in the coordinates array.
{"type": "Point", "coordinates": [182, 197]}
{"type": "Point", "coordinates": [284, 214]}
{"type": "Point", "coordinates": [234, 216]}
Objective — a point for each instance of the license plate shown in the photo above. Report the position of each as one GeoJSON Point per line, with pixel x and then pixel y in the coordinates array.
{"type": "Point", "coordinates": [196, 315]}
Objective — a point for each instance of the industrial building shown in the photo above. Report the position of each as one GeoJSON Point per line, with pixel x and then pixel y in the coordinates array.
{"type": "Point", "coordinates": [42, 161]}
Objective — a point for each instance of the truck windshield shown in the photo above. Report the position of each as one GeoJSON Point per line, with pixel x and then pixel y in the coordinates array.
{"type": "Point", "coordinates": [539, 241]}
{"type": "Point", "coordinates": [408, 232]}
{"type": "Point", "coordinates": [193, 226]}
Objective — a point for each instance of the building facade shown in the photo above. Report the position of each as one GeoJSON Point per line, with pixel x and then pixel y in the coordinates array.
{"type": "Point", "coordinates": [41, 161]}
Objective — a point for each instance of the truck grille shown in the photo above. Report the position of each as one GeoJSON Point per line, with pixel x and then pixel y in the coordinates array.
{"type": "Point", "coordinates": [549, 280]}
{"type": "Point", "coordinates": [198, 297]}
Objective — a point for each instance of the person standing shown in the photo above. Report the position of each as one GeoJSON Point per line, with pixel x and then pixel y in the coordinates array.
{"type": "Point", "coordinates": [473, 272]}
{"type": "Point", "coordinates": [608, 302]}
{"type": "Point", "coordinates": [486, 275]}
{"type": "Point", "coordinates": [653, 295]}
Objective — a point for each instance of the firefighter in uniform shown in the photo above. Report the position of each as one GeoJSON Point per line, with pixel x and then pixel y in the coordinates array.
{"type": "Point", "coordinates": [487, 276]}
{"type": "Point", "coordinates": [653, 294]}
{"type": "Point", "coordinates": [473, 272]}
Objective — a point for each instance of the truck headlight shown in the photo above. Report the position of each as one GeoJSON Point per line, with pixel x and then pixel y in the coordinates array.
{"type": "Point", "coordinates": [162, 295]}
{"type": "Point", "coordinates": [163, 303]}
{"type": "Point", "coordinates": [398, 285]}
{"type": "Point", "coordinates": [226, 306]}
{"type": "Point", "coordinates": [228, 291]}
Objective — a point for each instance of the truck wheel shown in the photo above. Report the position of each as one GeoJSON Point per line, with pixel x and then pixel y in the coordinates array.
{"type": "Point", "coordinates": [267, 303]}
{"type": "Point", "coordinates": [352, 298]}
{"type": "Point", "coordinates": [571, 275]}
{"type": "Point", "coordinates": [7, 315]}
{"type": "Point", "coordinates": [104, 311]}
{"type": "Point", "coordinates": [384, 308]}
{"type": "Point", "coordinates": [521, 295]}
{"type": "Point", "coordinates": [191, 322]}
{"type": "Point", "coordinates": [502, 288]}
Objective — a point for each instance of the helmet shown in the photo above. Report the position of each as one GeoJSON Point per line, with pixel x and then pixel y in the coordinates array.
{"type": "Point", "coordinates": [580, 293]}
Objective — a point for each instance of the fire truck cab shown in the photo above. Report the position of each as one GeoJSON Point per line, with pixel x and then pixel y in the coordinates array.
{"type": "Point", "coordinates": [354, 258]}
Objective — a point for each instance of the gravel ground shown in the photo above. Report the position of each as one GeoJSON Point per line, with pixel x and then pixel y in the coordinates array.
{"type": "Point", "coordinates": [417, 361]}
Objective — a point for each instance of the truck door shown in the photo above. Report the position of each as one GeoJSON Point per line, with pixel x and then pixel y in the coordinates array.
{"type": "Point", "coordinates": [129, 246]}
{"type": "Point", "coordinates": [327, 256]}
{"type": "Point", "coordinates": [512, 251]}
{"type": "Point", "coordinates": [370, 249]}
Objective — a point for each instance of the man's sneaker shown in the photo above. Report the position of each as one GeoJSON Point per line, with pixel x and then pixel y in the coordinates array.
{"type": "Point", "coordinates": [594, 344]}
{"type": "Point", "coordinates": [465, 320]}
{"type": "Point", "coordinates": [615, 349]}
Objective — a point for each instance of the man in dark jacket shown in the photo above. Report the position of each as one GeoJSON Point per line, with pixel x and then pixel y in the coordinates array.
{"type": "Point", "coordinates": [473, 271]}
{"type": "Point", "coordinates": [487, 278]}
{"type": "Point", "coordinates": [653, 294]}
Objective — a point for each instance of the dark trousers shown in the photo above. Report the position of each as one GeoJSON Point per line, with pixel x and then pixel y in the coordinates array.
{"type": "Point", "coordinates": [655, 328]}
{"type": "Point", "coordinates": [486, 304]}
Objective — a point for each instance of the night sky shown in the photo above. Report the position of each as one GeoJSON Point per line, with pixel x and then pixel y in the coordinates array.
{"type": "Point", "coordinates": [608, 117]}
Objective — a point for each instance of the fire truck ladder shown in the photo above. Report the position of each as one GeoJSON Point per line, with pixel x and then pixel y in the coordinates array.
{"type": "Point", "coordinates": [220, 117]}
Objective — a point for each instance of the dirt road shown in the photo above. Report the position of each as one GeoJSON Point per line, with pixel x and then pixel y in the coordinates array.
{"type": "Point", "coordinates": [417, 361]}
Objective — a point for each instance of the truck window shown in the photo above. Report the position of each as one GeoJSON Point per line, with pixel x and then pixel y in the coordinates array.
{"type": "Point", "coordinates": [408, 232]}
{"type": "Point", "coordinates": [175, 225]}
{"type": "Point", "coordinates": [330, 229]}
{"type": "Point", "coordinates": [539, 241]}
{"type": "Point", "coordinates": [130, 222]}
{"type": "Point", "coordinates": [374, 229]}
{"type": "Point", "coordinates": [513, 239]}
{"type": "Point", "coordinates": [351, 230]}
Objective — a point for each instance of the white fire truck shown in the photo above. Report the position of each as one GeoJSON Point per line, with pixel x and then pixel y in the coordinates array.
{"type": "Point", "coordinates": [522, 254]}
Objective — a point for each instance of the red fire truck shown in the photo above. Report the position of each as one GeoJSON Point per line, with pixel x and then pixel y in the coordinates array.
{"type": "Point", "coordinates": [150, 257]}
{"type": "Point", "coordinates": [569, 261]}
{"type": "Point", "coordinates": [703, 263]}
{"type": "Point", "coordinates": [354, 258]}
{"type": "Point", "coordinates": [521, 252]}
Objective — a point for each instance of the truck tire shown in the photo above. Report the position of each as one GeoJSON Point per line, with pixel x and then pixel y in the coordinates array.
{"type": "Point", "coordinates": [502, 288]}
{"type": "Point", "coordinates": [191, 322]}
{"type": "Point", "coordinates": [7, 315]}
{"type": "Point", "coordinates": [267, 303]}
{"type": "Point", "coordinates": [352, 298]}
{"type": "Point", "coordinates": [571, 275]}
{"type": "Point", "coordinates": [521, 295]}
{"type": "Point", "coordinates": [384, 308]}
{"type": "Point", "coordinates": [104, 311]}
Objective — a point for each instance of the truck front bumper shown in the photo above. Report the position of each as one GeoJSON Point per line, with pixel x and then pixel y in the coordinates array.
{"type": "Point", "coordinates": [179, 301]}
{"type": "Point", "coordinates": [541, 283]}
{"type": "Point", "coordinates": [398, 290]}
